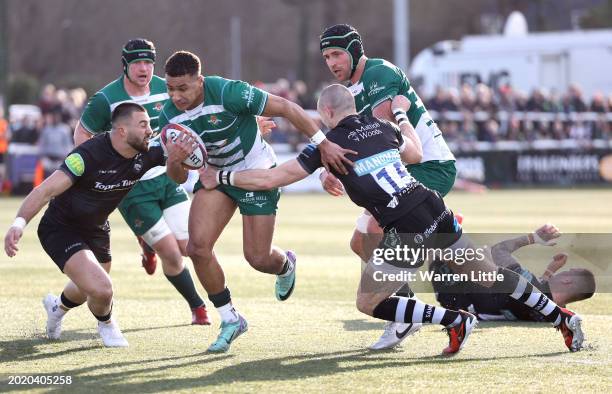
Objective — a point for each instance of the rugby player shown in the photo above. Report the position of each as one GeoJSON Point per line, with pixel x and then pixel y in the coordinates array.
{"type": "Point", "coordinates": [157, 208]}
{"type": "Point", "coordinates": [74, 231]}
{"type": "Point", "coordinates": [572, 285]}
{"type": "Point", "coordinates": [374, 83]}
{"type": "Point", "coordinates": [223, 112]}
{"type": "Point", "coordinates": [409, 213]}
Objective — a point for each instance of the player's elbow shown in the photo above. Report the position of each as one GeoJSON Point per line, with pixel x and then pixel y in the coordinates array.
{"type": "Point", "coordinates": [412, 156]}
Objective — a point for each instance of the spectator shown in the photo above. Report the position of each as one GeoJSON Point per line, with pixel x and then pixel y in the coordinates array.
{"type": "Point", "coordinates": [4, 139]}
{"type": "Point", "coordinates": [26, 131]}
{"type": "Point", "coordinates": [55, 142]}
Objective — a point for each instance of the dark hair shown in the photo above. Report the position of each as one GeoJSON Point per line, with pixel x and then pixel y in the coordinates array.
{"type": "Point", "coordinates": [182, 63]}
{"type": "Point", "coordinates": [125, 110]}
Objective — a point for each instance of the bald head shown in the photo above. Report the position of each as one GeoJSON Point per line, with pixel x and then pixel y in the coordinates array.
{"type": "Point", "coordinates": [335, 103]}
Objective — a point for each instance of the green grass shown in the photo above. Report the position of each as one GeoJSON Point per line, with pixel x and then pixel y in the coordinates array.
{"type": "Point", "coordinates": [315, 341]}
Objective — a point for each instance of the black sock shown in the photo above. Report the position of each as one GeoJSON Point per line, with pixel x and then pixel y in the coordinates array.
{"type": "Point", "coordinates": [518, 288]}
{"type": "Point", "coordinates": [106, 317]}
{"type": "Point", "coordinates": [403, 309]}
{"type": "Point", "coordinates": [184, 284]}
{"type": "Point", "coordinates": [220, 299]}
{"type": "Point", "coordinates": [67, 303]}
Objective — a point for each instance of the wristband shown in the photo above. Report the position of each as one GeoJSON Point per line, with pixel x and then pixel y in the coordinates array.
{"type": "Point", "coordinates": [225, 178]}
{"type": "Point", "coordinates": [19, 222]}
{"type": "Point", "coordinates": [317, 138]}
{"type": "Point", "coordinates": [400, 116]}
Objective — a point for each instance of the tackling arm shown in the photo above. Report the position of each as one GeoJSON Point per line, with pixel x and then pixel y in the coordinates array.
{"type": "Point", "coordinates": [332, 154]}
{"type": "Point", "coordinates": [285, 174]}
{"type": "Point", "coordinates": [56, 184]}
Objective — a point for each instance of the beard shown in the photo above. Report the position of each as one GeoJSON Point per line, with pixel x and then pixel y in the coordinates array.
{"type": "Point", "coordinates": [141, 145]}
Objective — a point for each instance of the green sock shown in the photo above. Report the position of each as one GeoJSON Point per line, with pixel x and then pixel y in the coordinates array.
{"type": "Point", "coordinates": [184, 284]}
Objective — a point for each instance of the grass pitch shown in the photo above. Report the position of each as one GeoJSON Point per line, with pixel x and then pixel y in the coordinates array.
{"type": "Point", "coordinates": [315, 341]}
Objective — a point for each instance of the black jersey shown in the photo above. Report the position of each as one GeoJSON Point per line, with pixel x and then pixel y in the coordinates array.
{"type": "Point", "coordinates": [378, 182]}
{"type": "Point", "coordinates": [101, 178]}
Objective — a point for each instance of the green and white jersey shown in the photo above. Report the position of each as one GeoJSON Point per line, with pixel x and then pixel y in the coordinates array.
{"type": "Point", "coordinates": [382, 81]}
{"type": "Point", "coordinates": [226, 123]}
{"type": "Point", "coordinates": [96, 117]}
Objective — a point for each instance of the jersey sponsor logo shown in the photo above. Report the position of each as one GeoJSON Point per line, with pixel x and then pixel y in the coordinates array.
{"type": "Point", "coordinates": [252, 198]}
{"type": "Point", "coordinates": [248, 96]}
{"type": "Point", "coordinates": [75, 164]}
{"type": "Point", "coordinates": [378, 161]}
{"type": "Point", "coordinates": [428, 312]}
{"type": "Point", "coordinates": [72, 246]}
{"type": "Point", "coordinates": [374, 88]}
{"type": "Point", "coordinates": [107, 171]}
{"type": "Point", "coordinates": [138, 223]}
{"type": "Point", "coordinates": [213, 120]}
{"type": "Point", "coordinates": [124, 184]}
{"type": "Point", "coordinates": [137, 166]}
{"type": "Point", "coordinates": [365, 132]}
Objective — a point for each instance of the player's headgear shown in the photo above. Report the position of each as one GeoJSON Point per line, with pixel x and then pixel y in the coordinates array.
{"type": "Point", "coordinates": [135, 50]}
{"type": "Point", "coordinates": [344, 37]}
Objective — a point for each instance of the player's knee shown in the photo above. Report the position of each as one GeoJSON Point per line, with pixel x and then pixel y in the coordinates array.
{"type": "Point", "coordinates": [259, 261]}
{"type": "Point", "coordinates": [103, 292]}
{"type": "Point", "coordinates": [199, 253]}
{"type": "Point", "coordinates": [172, 262]}
{"type": "Point", "coordinates": [357, 243]}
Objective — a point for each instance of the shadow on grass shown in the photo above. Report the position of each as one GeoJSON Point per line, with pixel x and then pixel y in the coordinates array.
{"type": "Point", "coordinates": [362, 325]}
{"type": "Point", "coordinates": [267, 369]}
{"type": "Point", "coordinates": [368, 325]}
{"type": "Point", "coordinates": [29, 349]}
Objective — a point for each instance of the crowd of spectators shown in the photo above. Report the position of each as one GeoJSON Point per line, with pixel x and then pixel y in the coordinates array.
{"type": "Point", "coordinates": [47, 126]}
{"type": "Point", "coordinates": [481, 113]}
{"type": "Point", "coordinates": [468, 114]}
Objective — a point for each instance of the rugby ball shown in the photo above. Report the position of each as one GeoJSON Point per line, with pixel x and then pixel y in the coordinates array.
{"type": "Point", "coordinates": [199, 156]}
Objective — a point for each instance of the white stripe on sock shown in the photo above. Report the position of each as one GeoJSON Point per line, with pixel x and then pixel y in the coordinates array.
{"type": "Point", "coordinates": [438, 315]}
{"type": "Point", "coordinates": [520, 289]}
{"type": "Point", "coordinates": [533, 299]}
{"type": "Point", "coordinates": [417, 314]}
{"type": "Point", "coordinates": [550, 306]}
{"type": "Point", "coordinates": [400, 312]}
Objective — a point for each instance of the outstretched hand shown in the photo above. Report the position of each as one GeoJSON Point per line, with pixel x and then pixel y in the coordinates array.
{"type": "Point", "coordinates": [546, 235]}
{"type": "Point", "coordinates": [11, 239]}
{"type": "Point", "coordinates": [331, 184]}
{"type": "Point", "coordinates": [333, 156]}
{"type": "Point", "coordinates": [265, 124]}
